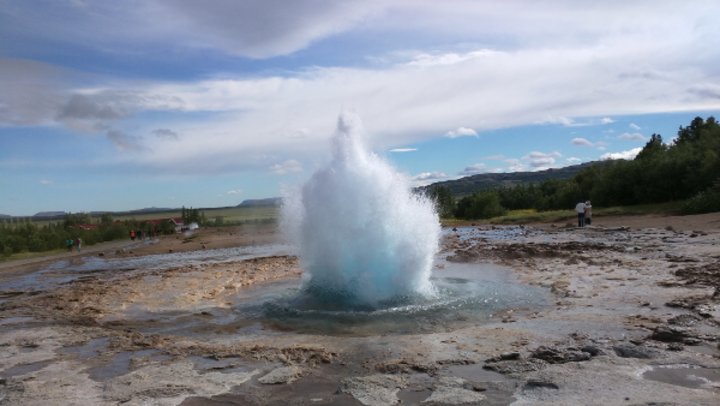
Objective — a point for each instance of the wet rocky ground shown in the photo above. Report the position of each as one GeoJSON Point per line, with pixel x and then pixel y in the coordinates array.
{"type": "Point", "coordinates": [633, 318]}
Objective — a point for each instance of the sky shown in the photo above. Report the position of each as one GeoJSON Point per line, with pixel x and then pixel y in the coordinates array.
{"type": "Point", "coordinates": [108, 105]}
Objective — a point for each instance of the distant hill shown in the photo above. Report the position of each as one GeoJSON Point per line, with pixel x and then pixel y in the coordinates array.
{"type": "Point", "coordinates": [151, 210]}
{"type": "Point", "coordinates": [5, 216]}
{"type": "Point", "coordinates": [271, 201]}
{"type": "Point", "coordinates": [49, 214]}
{"type": "Point", "coordinates": [484, 181]}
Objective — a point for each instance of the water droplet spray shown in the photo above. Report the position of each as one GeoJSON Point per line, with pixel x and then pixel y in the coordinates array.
{"type": "Point", "coordinates": [363, 236]}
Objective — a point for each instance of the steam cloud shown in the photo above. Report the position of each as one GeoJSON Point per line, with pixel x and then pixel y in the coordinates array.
{"type": "Point", "coordinates": [363, 236]}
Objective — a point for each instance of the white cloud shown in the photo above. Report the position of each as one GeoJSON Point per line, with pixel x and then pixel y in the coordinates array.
{"type": "Point", "coordinates": [46, 182]}
{"type": "Point", "coordinates": [266, 28]}
{"type": "Point", "coordinates": [461, 132]}
{"type": "Point", "coordinates": [582, 142]}
{"type": "Point", "coordinates": [515, 165]}
{"type": "Point", "coordinates": [234, 192]}
{"type": "Point", "coordinates": [426, 178]}
{"type": "Point", "coordinates": [541, 160]}
{"type": "Point", "coordinates": [570, 122]}
{"type": "Point", "coordinates": [634, 126]}
{"type": "Point", "coordinates": [123, 141]}
{"type": "Point", "coordinates": [474, 169]}
{"type": "Point", "coordinates": [252, 28]}
{"type": "Point", "coordinates": [289, 166]}
{"type": "Point", "coordinates": [403, 150]}
{"type": "Point", "coordinates": [628, 155]}
{"type": "Point", "coordinates": [451, 58]}
{"type": "Point", "coordinates": [573, 160]}
{"type": "Point", "coordinates": [530, 74]}
{"type": "Point", "coordinates": [562, 120]}
{"type": "Point", "coordinates": [166, 134]}
{"type": "Point", "coordinates": [632, 137]}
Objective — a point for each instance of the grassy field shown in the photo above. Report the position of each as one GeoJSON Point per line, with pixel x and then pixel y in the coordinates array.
{"type": "Point", "coordinates": [534, 216]}
{"type": "Point", "coordinates": [229, 215]}
{"type": "Point", "coordinates": [239, 215]}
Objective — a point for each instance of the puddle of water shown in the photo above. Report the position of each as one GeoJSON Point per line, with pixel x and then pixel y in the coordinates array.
{"type": "Point", "coordinates": [121, 364]}
{"type": "Point", "coordinates": [88, 350]}
{"type": "Point", "coordinates": [24, 369]}
{"type": "Point", "coordinates": [494, 233]}
{"type": "Point", "coordinates": [224, 365]}
{"type": "Point", "coordinates": [413, 396]}
{"type": "Point", "coordinates": [15, 320]}
{"type": "Point", "coordinates": [689, 376]}
{"type": "Point", "coordinates": [466, 293]}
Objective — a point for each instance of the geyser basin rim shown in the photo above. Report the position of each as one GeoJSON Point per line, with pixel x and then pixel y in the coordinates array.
{"type": "Point", "coordinates": [466, 295]}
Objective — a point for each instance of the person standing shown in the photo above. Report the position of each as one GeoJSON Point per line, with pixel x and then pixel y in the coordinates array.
{"type": "Point", "coordinates": [588, 213]}
{"type": "Point", "coordinates": [580, 209]}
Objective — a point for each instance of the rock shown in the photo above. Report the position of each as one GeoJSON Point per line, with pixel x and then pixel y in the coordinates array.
{"type": "Point", "coordinates": [684, 320]}
{"type": "Point", "coordinates": [530, 385]}
{"type": "Point", "coordinates": [374, 390]}
{"type": "Point", "coordinates": [454, 396]}
{"type": "Point", "coordinates": [692, 341]}
{"type": "Point", "coordinates": [506, 356]}
{"type": "Point", "coordinates": [516, 366]}
{"type": "Point", "coordinates": [708, 311]}
{"type": "Point", "coordinates": [557, 356]}
{"type": "Point", "coordinates": [633, 351]}
{"type": "Point", "coordinates": [406, 366]}
{"type": "Point", "coordinates": [592, 350]}
{"type": "Point", "coordinates": [170, 384]}
{"type": "Point", "coordinates": [675, 347]}
{"type": "Point", "coordinates": [669, 334]}
{"type": "Point", "coordinates": [281, 375]}
{"type": "Point", "coordinates": [452, 390]}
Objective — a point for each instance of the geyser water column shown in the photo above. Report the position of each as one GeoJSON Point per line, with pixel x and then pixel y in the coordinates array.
{"type": "Point", "coordinates": [364, 237]}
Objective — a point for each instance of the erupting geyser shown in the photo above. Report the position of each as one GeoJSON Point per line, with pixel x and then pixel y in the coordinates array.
{"type": "Point", "coordinates": [364, 238]}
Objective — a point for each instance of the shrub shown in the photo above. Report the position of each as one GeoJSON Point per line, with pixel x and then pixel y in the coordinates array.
{"type": "Point", "coordinates": [706, 201]}
{"type": "Point", "coordinates": [483, 205]}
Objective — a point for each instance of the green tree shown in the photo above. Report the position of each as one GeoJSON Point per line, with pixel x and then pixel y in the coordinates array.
{"type": "Point", "coordinates": [480, 205]}
{"type": "Point", "coordinates": [73, 220]}
{"type": "Point", "coordinates": [444, 201]}
{"type": "Point", "coordinates": [191, 216]}
{"type": "Point", "coordinates": [653, 148]}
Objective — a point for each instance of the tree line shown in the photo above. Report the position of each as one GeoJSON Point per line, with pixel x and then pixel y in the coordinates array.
{"type": "Point", "coordinates": [26, 236]}
{"type": "Point", "coordinates": [23, 235]}
{"type": "Point", "coordinates": [687, 169]}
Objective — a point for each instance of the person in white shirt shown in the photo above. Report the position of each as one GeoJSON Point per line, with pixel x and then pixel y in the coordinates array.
{"type": "Point", "coordinates": [580, 209]}
{"type": "Point", "coordinates": [588, 213]}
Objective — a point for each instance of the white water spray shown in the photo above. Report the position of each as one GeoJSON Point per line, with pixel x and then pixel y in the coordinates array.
{"type": "Point", "coordinates": [363, 236]}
